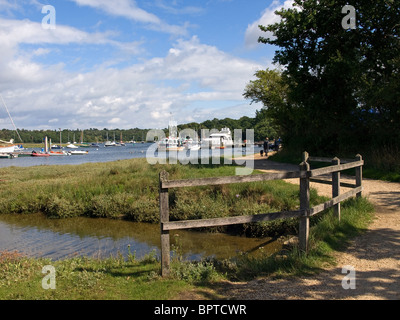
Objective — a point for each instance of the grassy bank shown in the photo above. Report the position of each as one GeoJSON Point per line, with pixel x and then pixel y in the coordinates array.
{"type": "Point", "coordinates": [120, 278]}
{"type": "Point", "coordinates": [128, 189]}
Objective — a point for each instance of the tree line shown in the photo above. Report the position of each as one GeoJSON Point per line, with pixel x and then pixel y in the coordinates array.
{"type": "Point", "coordinates": [261, 125]}
{"type": "Point", "coordinates": [335, 90]}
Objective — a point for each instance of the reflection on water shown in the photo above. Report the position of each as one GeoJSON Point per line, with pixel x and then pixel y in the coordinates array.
{"type": "Point", "coordinates": [36, 236]}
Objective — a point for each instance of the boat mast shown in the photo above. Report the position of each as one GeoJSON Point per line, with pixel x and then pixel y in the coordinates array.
{"type": "Point", "coordinates": [9, 115]}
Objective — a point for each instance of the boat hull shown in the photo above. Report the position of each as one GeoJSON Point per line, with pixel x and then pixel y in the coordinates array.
{"type": "Point", "coordinates": [44, 155]}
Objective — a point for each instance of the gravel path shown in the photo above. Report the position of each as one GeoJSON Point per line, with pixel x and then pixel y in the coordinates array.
{"type": "Point", "coordinates": [375, 255]}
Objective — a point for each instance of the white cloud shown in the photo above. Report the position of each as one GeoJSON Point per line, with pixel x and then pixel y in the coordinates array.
{"type": "Point", "coordinates": [268, 17]}
{"type": "Point", "coordinates": [192, 80]}
{"type": "Point", "coordinates": [129, 10]}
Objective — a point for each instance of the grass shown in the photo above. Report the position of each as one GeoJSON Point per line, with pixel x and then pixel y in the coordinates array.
{"type": "Point", "coordinates": [85, 279]}
{"type": "Point", "coordinates": [327, 235]}
{"type": "Point", "coordinates": [118, 278]}
{"type": "Point", "coordinates": [129, 189]}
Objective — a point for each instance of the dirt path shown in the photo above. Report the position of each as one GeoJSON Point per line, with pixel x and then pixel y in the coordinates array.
{"type": "Point", "coordinates": [375, 255]}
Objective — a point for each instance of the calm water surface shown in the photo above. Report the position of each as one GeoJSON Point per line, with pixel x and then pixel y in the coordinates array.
{"type": "Point", "coordinates": [36, 236]}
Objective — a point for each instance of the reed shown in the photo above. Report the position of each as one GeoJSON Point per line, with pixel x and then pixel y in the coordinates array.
{"type": "Point", "coordinates": [128, 189]}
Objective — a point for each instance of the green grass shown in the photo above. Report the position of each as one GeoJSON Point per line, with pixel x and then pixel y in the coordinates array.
{"type": "Point", "coordinates": [327, 235]}
{"type": "Point", "coordinates": [118, 278]}
{"type": "Point", "coordinates": [86, 279]}
{"type": "Point", "coordinates": [128, 189]}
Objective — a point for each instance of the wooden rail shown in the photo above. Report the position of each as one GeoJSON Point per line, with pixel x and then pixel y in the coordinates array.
{"type": "Point", "coordinates": [305, 174]}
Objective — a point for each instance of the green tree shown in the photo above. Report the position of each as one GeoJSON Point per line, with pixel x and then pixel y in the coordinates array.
{"type": "Point", "coordinates": [337, 86]}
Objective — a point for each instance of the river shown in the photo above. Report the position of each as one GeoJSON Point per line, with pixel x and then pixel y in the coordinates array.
{"type": "Point", "coordinates": [36, 236]}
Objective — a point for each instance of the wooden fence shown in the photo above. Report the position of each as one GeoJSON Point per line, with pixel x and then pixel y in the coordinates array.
{"type": "Point", "coordinates": [305, 174]}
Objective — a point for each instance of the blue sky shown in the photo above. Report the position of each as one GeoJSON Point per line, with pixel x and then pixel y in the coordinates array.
{"type": "Point", "coordinates": [126, 63]}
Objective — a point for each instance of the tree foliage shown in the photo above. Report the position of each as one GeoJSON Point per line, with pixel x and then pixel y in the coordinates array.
{"type": "Point", "coordinates": [338, 88]}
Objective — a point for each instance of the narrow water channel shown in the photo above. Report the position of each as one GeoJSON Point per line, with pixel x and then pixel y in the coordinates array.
{"type": "Point", "coordinates": [34, 235]}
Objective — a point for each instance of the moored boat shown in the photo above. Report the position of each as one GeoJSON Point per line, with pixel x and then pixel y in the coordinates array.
{"type": "Point", "coordinates": [78, 152]}
{"type": "Point", "coordinates": [218, 140]}
{"type": "Point", "coordinates": [8, 156]}
{"type": "Point", "coordinates": [40, 154]}
{"type": "Point", "coordinates": [57, 153]}
{"type": "Point", "coordinates": [170, 144]}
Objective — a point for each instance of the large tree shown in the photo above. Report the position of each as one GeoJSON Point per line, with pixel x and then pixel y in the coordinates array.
{"type": "Point", "coordinates": [340, 85]}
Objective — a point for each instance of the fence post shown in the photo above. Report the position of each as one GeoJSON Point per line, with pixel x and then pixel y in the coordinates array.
{"type": "Point", "coordinates": [304, 225]}
{"type": "Point", "coordinates": [359, 175]}
{"type": "Point", "coordinates": [164, 217]}
{"type": "Point", "coordinates": [336, 186]}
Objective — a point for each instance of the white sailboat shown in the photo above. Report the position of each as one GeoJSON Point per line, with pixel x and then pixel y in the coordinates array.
{"type": "Point", "coordinates": [8, 147]}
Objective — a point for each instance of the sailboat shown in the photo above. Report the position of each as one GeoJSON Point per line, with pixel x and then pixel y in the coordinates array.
{"type": "Point", "coordinates": [5, 146]}
{"type": "Point", "coordinates": [109, 143]}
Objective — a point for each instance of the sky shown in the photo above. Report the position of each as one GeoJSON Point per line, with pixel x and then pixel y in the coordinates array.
{"type": "Point", "coordinates": [80, 64]}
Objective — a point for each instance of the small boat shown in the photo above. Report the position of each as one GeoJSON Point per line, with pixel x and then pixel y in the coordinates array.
{"type": "Point", "coordinates": [78, 152]}
{"type": "Point", "coordinates": [190, 144]}
{"type": "Point", "coordinates": [24, 154]}
{"type": "Point", "coordinates": [57, 153]}
{"type": "Point", "coordinates": [40, 154]}
{"type": "Point", "coordinates": [8, 156]}
{"type": "Point", "coordinates": [8, 149]}
{"type": "Point", "coordinates": [110, 144]}
{"type": "Point", "coordinates": [72, 146]}
{"type": "Point", "coordinates": [170, 144]}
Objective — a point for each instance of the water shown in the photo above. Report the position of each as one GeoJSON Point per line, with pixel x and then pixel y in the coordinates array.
{"type": "Point", "coordinates": [106, 154]}
{"type": "Point", "coordinates": [101, 154]}
{"type": "Point", "coordinates": [35, 236]}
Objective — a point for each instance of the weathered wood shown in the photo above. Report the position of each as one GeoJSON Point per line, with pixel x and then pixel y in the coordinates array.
{"type": "Point", "coordinates": [359, 175]}
{"type": "Point", "coordinates": [330, 169]}
{"type": "Point", "coordinates": [230, 179]}
{"type": "Point", "coordinates": [323, 181]}
{"type": "Point", "coordinates": [304, 223]}
{"type": "Point", "coordinates": [164, 218]}
{"type": "Point", "coordinates": [305, 175]}
{"type": "Point", "coordinates": [330, 203]}
{"type": "Point", "coordinates": [201, 223]}
{"type": "Point", "coordinates": [336, 186]}
{"type": "Point", "coordinates": [305, 156]}
{"type": "Point", "coordinates": [326, 159]}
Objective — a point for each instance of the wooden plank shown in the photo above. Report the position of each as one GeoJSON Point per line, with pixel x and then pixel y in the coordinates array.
{"type": "Point", "coordinates": [323, 181]}
{"type": "Point", "coordinates": [214, 222]}
{"type": "Point", "coordinates": [336, 186]}
{"type": "Point", "coordinates": [326, 159]}
{"type": "Point", "coordinates": [304, 223]}
{"type": "Point", "coordinates": [320, 159]}
{"type": "Point", "coordinates": [330, 169]}
{"type": "Point", "coordinates": [231, 179]}
{"type": "Point", "coordinates": [164, 217]}
{"type": "Point", "coordinates": [359, 175]}
{"type": "Point", "coordinates": [330, 203]}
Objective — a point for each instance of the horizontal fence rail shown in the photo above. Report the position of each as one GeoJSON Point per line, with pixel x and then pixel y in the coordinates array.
{"type": "Point", "coordinates": [215, 222]}
{"type": "Point", "coordinates": [305, 174]}
{"type": "Point", "coordinates": [230, 180]}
